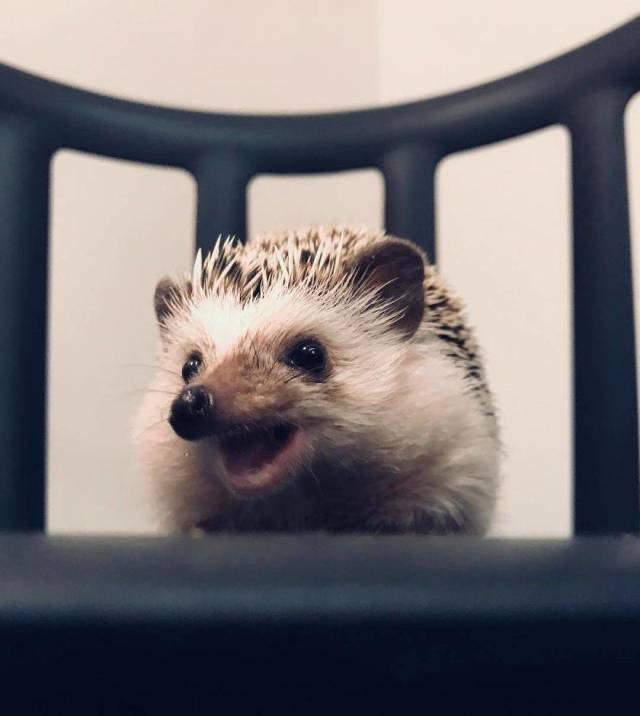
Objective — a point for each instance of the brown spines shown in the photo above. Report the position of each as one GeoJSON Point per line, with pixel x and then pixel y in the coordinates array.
{"type": "Point", "coordinates": [322, 258]}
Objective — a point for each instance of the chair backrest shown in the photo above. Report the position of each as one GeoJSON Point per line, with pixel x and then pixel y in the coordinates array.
{"type": "Point", "coordinates": [586, 90]}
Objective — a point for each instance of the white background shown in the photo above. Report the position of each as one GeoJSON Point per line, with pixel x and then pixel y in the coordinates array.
{"type": "Point", "coordinates": [503, 214]}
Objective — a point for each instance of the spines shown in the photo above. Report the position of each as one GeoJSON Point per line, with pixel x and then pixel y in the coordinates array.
{"type": "Point", "coordinates": [316, 257]}
{"type": "Point", "coordinates": [321, 259]}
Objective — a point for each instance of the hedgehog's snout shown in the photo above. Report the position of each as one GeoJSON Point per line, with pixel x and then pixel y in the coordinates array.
{"type": "Point", "coordinates": [193, 413]}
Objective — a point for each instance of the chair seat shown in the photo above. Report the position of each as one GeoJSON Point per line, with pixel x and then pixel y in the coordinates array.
{"type": "Point", "coordinates": [440, 618]}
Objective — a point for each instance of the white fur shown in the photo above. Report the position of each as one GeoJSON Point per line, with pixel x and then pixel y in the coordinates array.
{"type": "Point", "coordinates": [396, 417]}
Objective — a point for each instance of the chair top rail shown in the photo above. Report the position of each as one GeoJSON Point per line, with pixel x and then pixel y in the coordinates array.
{"type": "Point", "coordinates": [66, 117]}
{"type": "Point", "coordinates": [314, 576]}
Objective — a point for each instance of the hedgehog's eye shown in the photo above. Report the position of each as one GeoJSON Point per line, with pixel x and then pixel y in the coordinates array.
{"type": "Point", "coordinates": [192, 366]}
{"type": "Point", "coordinates": [308, 356]}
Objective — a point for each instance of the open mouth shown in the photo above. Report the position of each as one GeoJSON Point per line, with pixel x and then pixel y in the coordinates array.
{"type": "Point", "coordinates": [259, 459]}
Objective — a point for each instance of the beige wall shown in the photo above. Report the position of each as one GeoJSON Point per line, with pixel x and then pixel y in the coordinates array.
{"type": "Point", "coordinates": [504, 225]}
{"type": "Point", "coordinates": [503, 215]}
{"type": "Point", "coordinates": [118, 227]}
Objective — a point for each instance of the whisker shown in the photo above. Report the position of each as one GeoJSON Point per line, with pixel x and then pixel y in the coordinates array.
{"type": "Point", "coordinates": [152, 390]}
{"type": "Point", "coordinates": [153, 367]}
{"type": "Point", "coordinates": [149, 427]}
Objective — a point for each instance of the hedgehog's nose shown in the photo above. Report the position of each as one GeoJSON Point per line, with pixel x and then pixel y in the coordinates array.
{"type": "Point", "coordinates": [192, 413]}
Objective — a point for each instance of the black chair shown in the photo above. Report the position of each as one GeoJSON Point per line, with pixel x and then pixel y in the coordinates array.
{"type": "Point", "coordinates": [421, 621]}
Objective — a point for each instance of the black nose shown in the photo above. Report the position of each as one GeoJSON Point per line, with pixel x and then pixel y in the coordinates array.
{"type": "Point", "coordinates": [192, 413]}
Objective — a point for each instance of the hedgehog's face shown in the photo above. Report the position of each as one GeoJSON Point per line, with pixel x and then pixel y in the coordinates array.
{"type": "Point", "coordinates": [252, 397]}
{"type": "Point", "coordinates": [259, 392]}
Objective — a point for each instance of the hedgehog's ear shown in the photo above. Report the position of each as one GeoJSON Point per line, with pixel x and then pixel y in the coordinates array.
{"type": "Point", "coordinates": [168, 296]}
{"type": "Point", "coordinates": [396, 269]}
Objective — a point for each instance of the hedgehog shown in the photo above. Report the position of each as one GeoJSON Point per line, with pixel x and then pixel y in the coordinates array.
{"type": "Point", "coordinates": [318, 379]}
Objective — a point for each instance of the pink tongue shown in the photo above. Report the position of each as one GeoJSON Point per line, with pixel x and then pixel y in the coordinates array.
{"type": "Point", "coordinates": [249, 453]}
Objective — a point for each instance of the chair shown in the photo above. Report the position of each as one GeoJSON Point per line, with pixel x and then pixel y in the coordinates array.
{"type": "Point", "coordinates": [420, 621]}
